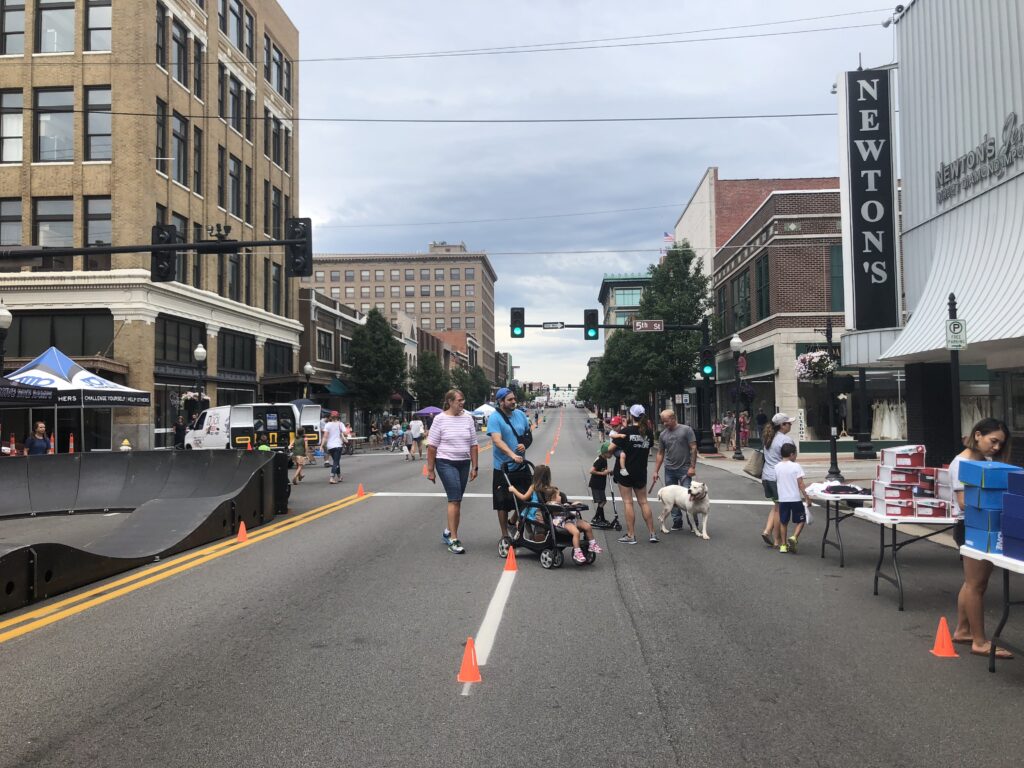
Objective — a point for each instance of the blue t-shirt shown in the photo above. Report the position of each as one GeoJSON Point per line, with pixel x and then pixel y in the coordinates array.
{"type": "Point", "coordinates": [496, 424]}
{"type": "Point", "coordinates": [37, 446]}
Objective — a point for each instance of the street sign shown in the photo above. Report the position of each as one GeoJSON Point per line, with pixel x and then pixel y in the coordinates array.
{"type": "Point", "coordinates": [686, 399]}
{"type": "Point", "coordinates": [678, 399]}
{"type": "Point", "coordinates": [648, 325]}
{"type": "Point", "coordinates": [956, 335]}
{"type": "Point", "coordinates": [553, 326]}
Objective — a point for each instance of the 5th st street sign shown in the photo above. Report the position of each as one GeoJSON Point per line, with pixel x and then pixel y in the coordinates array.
{"type": "Point", "coordinates": [648, 325]}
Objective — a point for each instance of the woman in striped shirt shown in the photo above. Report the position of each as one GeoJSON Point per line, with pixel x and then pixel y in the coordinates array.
{"type": "Point", "coordinates": [453, 451]}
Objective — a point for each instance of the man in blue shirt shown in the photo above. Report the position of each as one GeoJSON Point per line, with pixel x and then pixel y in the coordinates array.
{"type": "Point", "coordinates": [509, 429]}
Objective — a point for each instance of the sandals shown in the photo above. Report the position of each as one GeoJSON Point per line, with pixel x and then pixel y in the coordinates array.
{"type": "Point", "coordinates": [1001, 653]}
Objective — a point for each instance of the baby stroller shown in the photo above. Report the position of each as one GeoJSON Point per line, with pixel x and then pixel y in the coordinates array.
{"type": "Point", "coordinates": [537, 531]}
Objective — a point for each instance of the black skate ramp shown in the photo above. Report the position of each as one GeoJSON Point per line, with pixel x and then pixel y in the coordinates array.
{"type": "Point", "coordinates": [69, 520]}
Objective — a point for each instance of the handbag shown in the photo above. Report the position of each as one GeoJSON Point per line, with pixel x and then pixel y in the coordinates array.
{"type": "Point", "coordinates": [808, 515]}
{"type": "Point", "coordinates": [755, 464]}
{"type": "Point", "coordinates": [526, 438]}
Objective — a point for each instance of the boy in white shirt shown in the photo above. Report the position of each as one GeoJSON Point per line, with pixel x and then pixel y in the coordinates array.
{"type": "Point", "coordinates": [792, 497]}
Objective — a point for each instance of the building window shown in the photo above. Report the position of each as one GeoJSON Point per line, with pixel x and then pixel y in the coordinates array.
{"type": "Point", "coordinates": [12, 27]}
{"type": "Point", "coordinates": [98, 230]}
{"type": "Point", "coordinates": [454, 273]}
{"type": "Point", "coordinates": [197, 262]}
{"type": "Point", "coordinates": [456, 323]}
{"type": "Point", "coordinates": [364, 274]}
{"type": "Point", "coordinates": [364, 292]}
{"type": "Point", "coordinates": [161, 136]}
{"type": "Point", "coordinates": [221, 98]}
{"type": "Point", "coordinates": [722, 306]}
{"type": "Point", "coordinates": [97, 26]}
{"type": "Point", "coordinates": [470, 323]}
{"type": "Point", "coordinates": [350, 292]}
{"type": "Point", "coordinates": [222, 167]}
{"type": "Point", "coordinates": [740, 288]}
{"type": "Point", "coordinates": [410, 290]}
{"type": "Point", "coordinates": [627, 297]}
{"type": "Point", "coordinates": [234, 29]}
{"type": "Point", "coordinates": [364, 308]}
{"type": "Point", "coordinates": [378, 291]}
{"type": "Point", "coordinates": [10, 222]}
{"type": "Point", "coordinates": [276, 64]}
{"type": "Point", "coordinates": [235, 185]}
{"type": "Point", "coordinates": [378, 274]}
{"type": "Point", "coordinates": [425, 322]}
{"type": "Point", "coordinates": [396, 291]}
{"type": "Point", "coordinates": [424, 290]}
{"type": "Point", "coordinates": [235, 102]}
{"type": "Point", "coordinates": [335, 276]}
{"type": "Point", "coordinates": [55, 125]}
{"type": "Point", "coordinates": [410, 274]}
{"type": "Point", "coordinates": [319, 276]}
{"type": "Point", "coordinates": [179, 149]}
{"type": "Point", "coordinates": [250, 34]}
{"type": "Point", "coordinates": [266, 209]}
{"type": "Point", "coordinates": [197, 67]}
{"type": "Point", "coordinates": [470, 307]}
{"type": "Point", "coordinates": [456, 307]}
{"type": "Point", "coordinates": [248, 195]}
{"type": "Point", "coordinates": [179, 53]}
{"type": "Point", "coordinates": [761, 286]}
{"type": "Point", "coordinates": [455, 290]}
{"type": "Point", "coordinates": [324, 346]}
{"type": "Point", "coordinates": [439, 273]}
{"type": "Point", "coordinates": [410, 307]}
{"type": "Point", "coordinates": [438, 323]}
{"type": "Point", "coordinates": [396, 274]}
{"type": "Point", "coordinates": [277, 358]}
{"type": "Point", "coordinates": [266, 132]}
{"type": "Point", "coordinates": [470, 273]}
{"type": "Point", "coordinates": [197, 160]}
{"type": "Point", "coordinates": [396, 306]}
{"type": "Point", "coordinates": [439, 290]}
{"type": "Point", "coordinates": [161, 35]}
{"type": "Point", "coordinates": [55, 26]}
{"type": "Point", "coordinates": [275, 140]}
{"type": "Point", "coordinates": [287, 150]}
{"type": "Point", "coordinates": [425, 307]}
{"type": "Point", "coordinates": [180, 257]}
{"type": "Point", "coordinates": [275, 212]}
{"type": "Point", "coordinates": [470, 290]}
{"type": "Point", "coordinates": [439, 306]}
{"type": "Point", "coordinates": [350, 275]}
{"type": "Point", "coordinates": [233, 289]}
{"type": "Point", "coordinates": [424, 274]}
{"type": "Point", "coordinates": [250, 106]}
{"type": "Point", "coordinates": [11, 126]}
{"type": "Point", "coordinates": [236, 352]}
{"type": "Point", "coordinates": [287, 76]}
{"type": "Point", "coordinates": [53, 226]}
{"type": "Point", "coordinates": [74, 333]}
{"type": "Point", "coordinates": [97, 124]}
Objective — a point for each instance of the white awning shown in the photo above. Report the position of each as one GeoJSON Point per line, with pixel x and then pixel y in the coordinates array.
{"type": "Point", "coordinates": [979, 256]}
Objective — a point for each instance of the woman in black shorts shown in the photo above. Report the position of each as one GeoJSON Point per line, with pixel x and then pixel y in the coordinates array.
{"type": "Point", "coordinates": [635, 440]}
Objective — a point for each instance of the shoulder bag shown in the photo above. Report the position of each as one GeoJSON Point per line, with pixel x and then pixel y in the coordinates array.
{"type": "Point", "coordinates": [526, 438]}
{"type": "Point", "coordinates": [755, 464]}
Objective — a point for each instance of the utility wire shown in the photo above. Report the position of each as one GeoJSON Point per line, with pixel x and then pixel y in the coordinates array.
{"type": "Point", "coordinates": [495, 221]}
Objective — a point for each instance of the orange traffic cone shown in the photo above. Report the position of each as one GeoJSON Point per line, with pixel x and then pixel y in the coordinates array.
{"type": "Point", "coordinates": [469, 672]}
{"type": "Point", "coordinates": [243, 535]}
{"type": "Point", "coordinates": [943, 647]}
{"type": "Point", "coordinates": [248, 446]}
{"type": "Point", "coordinates": [510, 560]}
{"type": "Point", "coordinates": [52, 443]}
{"type": "Point", "coordinates": [13, 449]}
{"type": "Point", "coordinates": [360, 492]}
{"type": "Point", "coordinates": [71, 444]}
{"type": "Point", "coordinates": [424, 470]}
{"type": "Point", "coordinates": [547, 458]}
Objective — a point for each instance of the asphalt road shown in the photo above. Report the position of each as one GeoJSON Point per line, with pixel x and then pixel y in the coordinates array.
{"type": "Point", "coordinates": [336, 642]}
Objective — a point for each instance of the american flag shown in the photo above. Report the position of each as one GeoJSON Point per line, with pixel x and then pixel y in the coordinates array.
{"type": "Point", "coordinates": [666, 237]}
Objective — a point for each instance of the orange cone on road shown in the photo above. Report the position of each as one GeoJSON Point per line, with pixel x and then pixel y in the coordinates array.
{"type": "Point", "coordinates": [360, 492]}
{"type": "Point", "coordinates": [248, 446]}
{"type": "Point", "coordinates": [469, 672]}
{"type": "Point", "coordinates": [510, 560]}
{"type": "Point", "coordinates": [71, 444]}
{"type": "Point", "coordinates": [547, 458]}
{"type": "Point", "coordinates": [424, 470]}
{"type": "Point", "coordinates": [243, 535]}
{"type": "Point", "coordinates": [13, 449]}
{"type": "Point", "coordinates": [943, 647]}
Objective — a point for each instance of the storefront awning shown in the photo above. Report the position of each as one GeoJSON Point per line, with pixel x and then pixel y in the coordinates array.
{"type": "Point", "coordinates": [977, 256]}
{"type": "Point", "coordinates": [337, 387]}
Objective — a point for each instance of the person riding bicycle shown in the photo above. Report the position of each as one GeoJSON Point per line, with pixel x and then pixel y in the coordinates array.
{"type": "Point", "coordinates": [590, 431]}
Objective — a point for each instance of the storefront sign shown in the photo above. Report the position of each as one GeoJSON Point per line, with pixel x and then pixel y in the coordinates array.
{"type": "Point", "coordinates": [870, 243]}
{"type": "Point", "coordinates": [992, 158]}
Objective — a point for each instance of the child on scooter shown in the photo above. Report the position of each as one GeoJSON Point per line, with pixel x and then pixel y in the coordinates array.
{"type": "Point", "coordinates": [599, 482]}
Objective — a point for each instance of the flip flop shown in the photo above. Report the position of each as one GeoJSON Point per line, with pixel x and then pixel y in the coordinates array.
{"type": "Point", "coordinates": [1001, 653]}
{"type": "Point", "coordinates": [767, 539]}
{"type": "Point", "coordinates": [962, 640]}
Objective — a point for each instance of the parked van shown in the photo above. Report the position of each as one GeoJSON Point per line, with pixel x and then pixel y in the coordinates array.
{"type": "Point", "coordinates": [238, 426]}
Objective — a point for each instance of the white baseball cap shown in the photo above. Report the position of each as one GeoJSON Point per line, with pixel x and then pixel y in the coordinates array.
{"type": "Point", "coordinates": [780, 418]}
{"type": "Point", "coordinates": [636, 411]}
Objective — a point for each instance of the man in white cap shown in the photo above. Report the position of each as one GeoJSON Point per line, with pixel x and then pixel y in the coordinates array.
{"type": "Point", "coordinates": [775, 436]}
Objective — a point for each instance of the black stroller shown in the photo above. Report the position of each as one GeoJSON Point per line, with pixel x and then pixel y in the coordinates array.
{"type": "Point", "coordinates": [538, 533]}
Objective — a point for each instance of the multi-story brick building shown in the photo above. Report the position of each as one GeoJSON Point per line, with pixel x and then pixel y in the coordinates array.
{"type": "Point", "coordinates": [448, 288]}
{"type": "Point", "coordinates": [619, 297]}
{"type": "Point", "coordinates": [120, 114]}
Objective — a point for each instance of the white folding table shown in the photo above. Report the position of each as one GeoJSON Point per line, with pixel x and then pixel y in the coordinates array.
{"type": "Point", "coordinates": [834, 515]}
{"type": "Point", "coordinates": [1008, 565]}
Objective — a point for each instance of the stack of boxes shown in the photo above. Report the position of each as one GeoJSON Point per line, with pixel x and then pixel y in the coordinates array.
{"type": "Point", "coordinates": [1012, 519]}
{"type": "Point", "coordinates": [985, 488]}
{"type": "Point", "coordinates": [905, 487]}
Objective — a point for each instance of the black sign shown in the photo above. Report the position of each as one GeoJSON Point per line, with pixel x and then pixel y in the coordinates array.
{"type": "Point", "coordinates": [873, 214]}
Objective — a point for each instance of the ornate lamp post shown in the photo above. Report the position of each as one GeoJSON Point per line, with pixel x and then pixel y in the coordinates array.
{"type": "Point", "coordinates": [308, 370]}
{"type": "Point", "coordinates": [736, 344]}
{"type": "Point", "coordinates": [199, 354]}
{"type": "Point", "coordinates": [6, 318]}
{"type": "Point", "coordinates": [833, 468]}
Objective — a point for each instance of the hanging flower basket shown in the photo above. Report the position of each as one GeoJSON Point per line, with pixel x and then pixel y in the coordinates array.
{"type": "Point", "coordinates": [194, 396]}
{"type": "Point", "coordinates": [814, 366]}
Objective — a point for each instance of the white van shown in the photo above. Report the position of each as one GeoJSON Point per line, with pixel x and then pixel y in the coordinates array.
{"type": "Point", "coordinates": [237, 426]}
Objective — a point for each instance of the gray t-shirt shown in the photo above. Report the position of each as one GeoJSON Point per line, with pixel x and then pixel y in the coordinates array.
{"type": "Point", "coordinates": [676, 445]}
{"type": "Point", "coordinates": [773, 455]}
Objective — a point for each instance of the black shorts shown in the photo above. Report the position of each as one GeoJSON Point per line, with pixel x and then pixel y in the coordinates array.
{"type": "Point", "coordinates": [502, 499]}
{"type": "Point", "coordinates": [631, 480]}
{"type": "Point", "coordinates": [598, 495]}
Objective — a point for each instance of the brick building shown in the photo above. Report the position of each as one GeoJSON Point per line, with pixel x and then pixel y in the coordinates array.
{"type": "Point", "coordinates": [199, 131]}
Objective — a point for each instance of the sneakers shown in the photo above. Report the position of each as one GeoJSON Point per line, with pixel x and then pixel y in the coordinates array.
{"type": "Point", "coordinates": [677, 525]}
{"type": "Point", "coordinates": [578, 556]}
{"type": "Point", "coordinates": [446, 537]}
{"type": "Point", "coordinates": [627, 539]}
{"type": "Point", "coordinates": [594, 547]}
{"type": "Point", "coordinates": [783, 549]}
{"type": "Point", "coordinates": [653, 539]}
{"type": "Point", "coordinates": [792, 544]}
{"type": "Point", "coordinates": [456, 547]}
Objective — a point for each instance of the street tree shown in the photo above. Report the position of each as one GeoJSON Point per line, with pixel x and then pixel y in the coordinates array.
{"type": "Point", "coordinates": [378, 362]}
{"type": "Point", "coordinates": [474, 385]}
{"type": "Point", "coordinates": [430, 380]}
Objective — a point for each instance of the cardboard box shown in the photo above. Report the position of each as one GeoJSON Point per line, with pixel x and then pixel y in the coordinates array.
{"type": "Point", "coordinates": [1013, 547]}
{"type": "Point", "coordinates": [984, 541]}
{"type": "Point", "coordinates": [903, 456]}
{"type": "Point", "coordinates": [986, 474]}
{"type": "Point", "coordinates": [982, 519]}
{"type": "Point", "coordinates": [983, 498]}
{"type": "Point", "coordinates": [883, 492]}
{"type": "Point", "coordinates": [892, 476]}
{"type": "Point", "coordinates": [1013, 505]}
{"type": "Point", "coordinates": [1013, 524]}
{"type": "Point", "coordinates": [942, 476]}
{"type": "Point", "coordinates": [1015, 483]}
{"type": "Point", "coordinates": [931, 508]}
{"type": "Point", "coordinates": [944, 491]}
{"type": "Point", "coordinates": [895, 507]}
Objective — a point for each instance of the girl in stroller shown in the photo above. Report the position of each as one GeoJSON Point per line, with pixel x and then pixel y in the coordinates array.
{"type": "Point", "coordinates": [542, 492]}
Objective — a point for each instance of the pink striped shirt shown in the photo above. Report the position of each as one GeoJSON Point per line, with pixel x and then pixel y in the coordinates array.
{"type": "Point", "coordinates": [453, 436]}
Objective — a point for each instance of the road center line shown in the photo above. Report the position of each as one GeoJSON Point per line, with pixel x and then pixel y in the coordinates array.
{"type": "Point", "coordinates": [427, 494]}
{"type": "Point", "coordinates": [492, 619]}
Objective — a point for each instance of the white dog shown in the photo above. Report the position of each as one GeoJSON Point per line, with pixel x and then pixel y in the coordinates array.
{"type": "Point", "coordinates": [692, 501]}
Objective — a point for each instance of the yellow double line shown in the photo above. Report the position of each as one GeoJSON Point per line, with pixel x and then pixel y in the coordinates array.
{"type": "Point", "coordinates": [83, 601]}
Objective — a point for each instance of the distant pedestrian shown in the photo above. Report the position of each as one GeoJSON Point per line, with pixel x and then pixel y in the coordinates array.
{"type": "Point", "coordinates": [407, 445]}
{"type": "Point", "coordinates": [453, 453]}
{"type": "Point", "coordinates": [300, 454]}
{"type": "Point", "coordinates": [792, 497]}
{"type": "Point", "coordinates": [179, 433]}
{"type": "Point", "coordinates": [761, 420]}
{"type": "Point", "coordinates": [334, 443]}
{"type": "Point", "coordinates": [417, 429]}
{"type": "Point", "coordinates": [776, 435]}
{"type": "Point", "coordinates": [677, 449]}
{"type": "Point", "coordinates": [728, 428]}
{"type": "Point", "coordinates": [744, 427]}
{"type": "Point", "coordinates": [38, 444]}
{"type": "Point", "coordinates": [716, 430]}
{"type": "Point", "coordinates": [635, 440]}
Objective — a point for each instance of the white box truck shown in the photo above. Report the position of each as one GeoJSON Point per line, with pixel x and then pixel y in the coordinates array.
{"type": "Point", "coordinates": [239, 426]}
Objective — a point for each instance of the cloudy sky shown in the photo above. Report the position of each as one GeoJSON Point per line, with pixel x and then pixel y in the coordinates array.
{"type": "Point", "coordinates": [534, 195]}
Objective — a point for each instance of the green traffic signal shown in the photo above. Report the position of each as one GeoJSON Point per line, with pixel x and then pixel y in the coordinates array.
{"type": "Point", "coordinates": [517, 322]}
{"type": "Point", "coordinates": [707, 370]}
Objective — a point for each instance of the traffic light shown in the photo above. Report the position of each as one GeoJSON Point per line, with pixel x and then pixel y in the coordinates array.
{"type": "Point", "coordinates": [518, 322]}
{"type": "Point", "coordinates": [707, 362]}
{"type": "Point", "coordinates": [162, 263]}
{"type": "Point", "coordinates": [590, 324]}
{"type": "Point", "coordinates": [299, 256]}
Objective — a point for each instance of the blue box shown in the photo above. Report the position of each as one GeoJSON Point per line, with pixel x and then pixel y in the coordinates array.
{"type": "Point", "coordinates": [982, 519]}
{"type": "Point", "coordinates": [984, 541]}
{"type": "Point", "coordinates": [1013, 547]}
{"type": "Point", "coordinates": [1014, 504]}
{"type": "Point", "coordinates": [1015, 483]}
{"type": "Point", "coordinates": [1013, 524]}
{"type": "Point", "coordinates": [983, 498]}
{"type": "Point", "coordinates": [986, 474]}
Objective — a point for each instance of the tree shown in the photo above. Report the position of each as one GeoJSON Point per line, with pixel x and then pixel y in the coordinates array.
{"type": "Point", "coordinates": [378, 362]}
{"type": "Point", "coordinates": [430, 380]}
{"type": "Point", "coordinates": [474, 385]}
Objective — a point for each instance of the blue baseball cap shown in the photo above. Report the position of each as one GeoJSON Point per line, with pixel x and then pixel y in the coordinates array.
{"type": "Point", "coordinates": [502, 394]}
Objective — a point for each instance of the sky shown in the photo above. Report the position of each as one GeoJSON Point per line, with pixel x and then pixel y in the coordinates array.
{"type": "Point", "coordinates": [556, 205]}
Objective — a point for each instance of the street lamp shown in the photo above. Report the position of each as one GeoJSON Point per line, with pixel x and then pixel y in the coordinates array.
{"type": "Point", "coordinates": [833, 467]}
{"type": "Point", "coordinates": [6, 318]}
{"type": "Point", "coordinates": [309, 370]}
{"type": "Point", "coordinates": [199, 353]}
{"type": "Point", "coordinates": [736, 344]}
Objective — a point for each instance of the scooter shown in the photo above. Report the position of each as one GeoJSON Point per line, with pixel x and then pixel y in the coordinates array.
{"type": "Point", "coordinates": [607, 525]}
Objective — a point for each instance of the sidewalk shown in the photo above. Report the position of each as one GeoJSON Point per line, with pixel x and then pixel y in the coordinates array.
{"type": "Point", "coordinates": [858, 472]}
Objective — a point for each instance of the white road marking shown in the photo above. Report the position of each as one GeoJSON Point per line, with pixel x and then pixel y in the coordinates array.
{"type": "Point", "coordinates": [427, 494]}
{"type": "Point", "coordinates": [492, 619]}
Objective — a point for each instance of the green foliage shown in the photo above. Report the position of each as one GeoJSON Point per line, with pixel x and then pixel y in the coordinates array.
{"type": "Point", "coordinates": [378, 362]}
{"type": "Point", "coordinates": [474, 385]}
{"type": "Point", "coordinates": [430, 380]}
